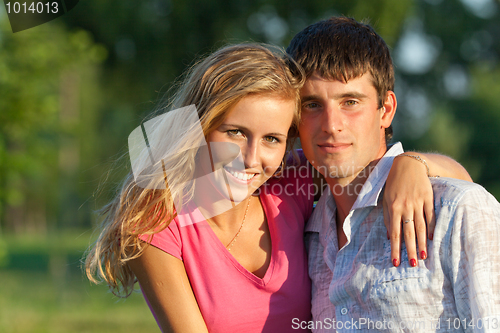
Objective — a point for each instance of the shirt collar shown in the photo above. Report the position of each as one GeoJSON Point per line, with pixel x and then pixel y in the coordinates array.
{"type": "Point", "coordinates": [368, 195]}
{"type": "Point", "coordinates": [370, 192]}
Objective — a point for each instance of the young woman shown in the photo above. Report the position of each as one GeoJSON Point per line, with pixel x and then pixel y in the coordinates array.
{"type": "Point", "coordinates": [227, 233]}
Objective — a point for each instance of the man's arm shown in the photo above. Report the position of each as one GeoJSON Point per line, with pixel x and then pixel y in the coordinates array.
{"type": "Point", "coordinates": [475, 261]}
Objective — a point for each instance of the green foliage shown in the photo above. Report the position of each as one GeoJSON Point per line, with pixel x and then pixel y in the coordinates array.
{"type": "Point", "coordinates": [3, 253]}
{"type": "Point", "coordinates": [443, 127]}
{"type": "Point", "coordinates": [461, 88]}
{"type": "Point", "coordinates": [41, 71]}
{"type": "Point", "coordinates": [387, 17]}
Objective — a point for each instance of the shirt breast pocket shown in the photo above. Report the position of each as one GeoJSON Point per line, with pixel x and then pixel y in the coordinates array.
{"type": "Point", "coordinates": [397, 285]}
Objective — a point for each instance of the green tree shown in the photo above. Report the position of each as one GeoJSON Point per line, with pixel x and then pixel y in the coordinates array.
{"type": "Point", "coordinates": [457, 111]}
{"type": "Point", "coordinates": [42, 71]}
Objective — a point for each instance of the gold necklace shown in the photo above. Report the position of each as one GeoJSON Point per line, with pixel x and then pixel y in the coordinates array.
{"type": "Point", "coordinates": [228, 246]}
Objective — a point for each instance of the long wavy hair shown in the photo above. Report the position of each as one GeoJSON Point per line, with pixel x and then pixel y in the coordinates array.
{"type": "Point", "coordinates": [214, 85]}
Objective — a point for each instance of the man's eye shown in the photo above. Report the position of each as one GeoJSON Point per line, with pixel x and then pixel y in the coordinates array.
{"type": "Point", "coordinates": [311, 105]}
{"type": "Point", "coordinates": [351, 103]}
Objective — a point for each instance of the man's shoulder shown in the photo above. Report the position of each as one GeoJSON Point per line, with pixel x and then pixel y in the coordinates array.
{"type": "Point", "coordinates": [452, 192]}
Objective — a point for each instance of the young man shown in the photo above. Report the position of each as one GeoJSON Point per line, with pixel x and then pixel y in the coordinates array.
{"type": "Point", "coordinates": [348, 105]}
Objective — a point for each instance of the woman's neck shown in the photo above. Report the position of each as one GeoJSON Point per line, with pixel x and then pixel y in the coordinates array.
{"type": "Point", "coordinates": [232, 218]}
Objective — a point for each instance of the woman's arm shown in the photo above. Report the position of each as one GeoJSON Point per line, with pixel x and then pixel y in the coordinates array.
{"type": "Point", "coordinates": [443, 166]}
{"type": "Point", "coordinates": [164, 281]}
{"type": "Point", "coordinates": [408, 196]}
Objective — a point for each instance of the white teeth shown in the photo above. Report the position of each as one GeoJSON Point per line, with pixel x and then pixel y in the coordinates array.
{"type": "Point", "coordinates": [241, 176]}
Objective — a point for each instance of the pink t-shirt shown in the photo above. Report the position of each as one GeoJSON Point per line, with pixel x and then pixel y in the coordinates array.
{"type": "Point", "coordinates": [232, 299]}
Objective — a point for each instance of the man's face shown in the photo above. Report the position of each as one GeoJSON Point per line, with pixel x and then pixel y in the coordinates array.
{"type": "Point", "coordinates": [342, 128]}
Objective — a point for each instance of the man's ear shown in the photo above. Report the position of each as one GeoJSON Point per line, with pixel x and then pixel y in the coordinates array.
{"type": "Point", "coordinates": [388, 109]}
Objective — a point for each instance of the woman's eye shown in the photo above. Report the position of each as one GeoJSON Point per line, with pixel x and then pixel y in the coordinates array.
{"type": "Point", "coordinates": [271, 139]}
{"type": "Point", "coordinates": [233, 132]}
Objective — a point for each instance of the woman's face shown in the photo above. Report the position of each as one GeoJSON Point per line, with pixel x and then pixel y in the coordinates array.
{"type": "Point", "coordinates": [258, 125]}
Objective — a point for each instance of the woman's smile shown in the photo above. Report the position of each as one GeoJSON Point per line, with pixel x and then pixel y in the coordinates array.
{"type": "Point", "coordinates": [258, 125]}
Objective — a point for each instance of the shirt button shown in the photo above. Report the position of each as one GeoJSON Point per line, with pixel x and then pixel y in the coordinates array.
{"type": "Point", "coordinates": [343, 311]}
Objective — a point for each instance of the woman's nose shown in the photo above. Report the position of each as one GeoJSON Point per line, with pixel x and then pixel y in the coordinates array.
{"type": "Point", "coordinates": [250, 152]}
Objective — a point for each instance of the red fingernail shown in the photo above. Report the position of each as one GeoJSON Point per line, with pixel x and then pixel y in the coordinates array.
{"type": "Point", "coordinates": [413, 262]}
{"type": "Point", "coordinates": [431, 236]}
{"type": "Point", "coordinates": [395, 262]}
{"type": "Point", "coordinates": [423, 255]}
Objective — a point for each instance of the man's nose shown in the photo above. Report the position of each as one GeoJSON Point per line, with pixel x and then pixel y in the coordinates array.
{"type": "Point", "coordinates": [332, 120]}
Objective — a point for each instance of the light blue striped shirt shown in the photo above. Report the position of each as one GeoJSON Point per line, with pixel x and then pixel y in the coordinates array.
{"type": "Point", "coordinates": [457, 288]}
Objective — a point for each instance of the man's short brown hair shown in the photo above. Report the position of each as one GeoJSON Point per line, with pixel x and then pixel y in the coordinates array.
{"type": "Point", "coordinates": [340, 48]}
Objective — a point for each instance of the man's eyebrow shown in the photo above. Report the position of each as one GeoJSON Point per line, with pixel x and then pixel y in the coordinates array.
{"type": "Point", "coordinates": [309, 98]}
{"type": "Point", "coordinates": [349, 94]}
{"type": "Point", "coordinates": [352, 94]}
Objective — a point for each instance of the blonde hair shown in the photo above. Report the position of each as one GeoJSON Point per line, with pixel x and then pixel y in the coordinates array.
{"type": "Point", "coordinates": [213, 85]}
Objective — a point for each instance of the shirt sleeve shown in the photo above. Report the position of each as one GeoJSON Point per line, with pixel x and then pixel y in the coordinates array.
{"type": "Point", "coordinates": [167, 240]}
{"type": "Point", "coordinates": [475, 253]}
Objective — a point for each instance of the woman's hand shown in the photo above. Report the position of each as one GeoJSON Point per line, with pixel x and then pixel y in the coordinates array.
{"type": "Point", "coordinates": [408, 204]}
{"type": "Point", "coordinates": [409, 201]}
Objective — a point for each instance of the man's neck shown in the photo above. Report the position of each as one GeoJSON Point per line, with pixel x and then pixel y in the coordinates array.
{"type": "Point", "coordinates": [345, 195]}
{"type": "Point", "coordinates": [345, 190]}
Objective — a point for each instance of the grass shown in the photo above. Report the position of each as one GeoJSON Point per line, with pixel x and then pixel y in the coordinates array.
{"type": "Point", "coordinates": [43, 290]}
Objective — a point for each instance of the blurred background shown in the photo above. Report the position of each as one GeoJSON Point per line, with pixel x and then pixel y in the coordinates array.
{"type": "Point", "coordinates": [73, 89]}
